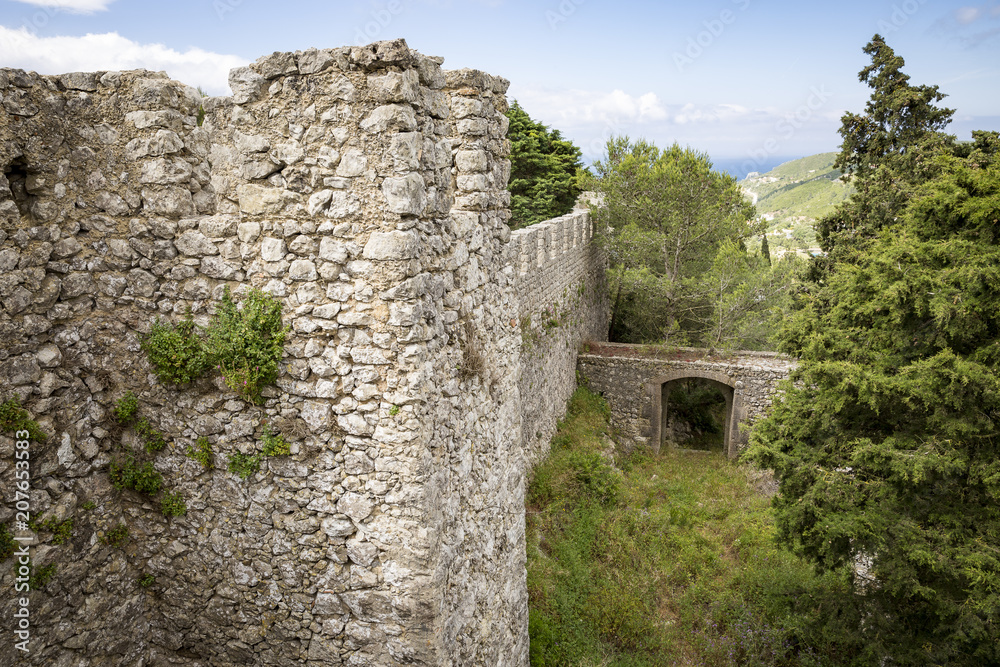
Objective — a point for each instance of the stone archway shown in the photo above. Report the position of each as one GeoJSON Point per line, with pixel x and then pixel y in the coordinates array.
{"type": "Point", "coordinates": [659, 388]}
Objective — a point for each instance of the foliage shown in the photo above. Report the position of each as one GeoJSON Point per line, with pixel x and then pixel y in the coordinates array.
{"type": "Point", "coordinates": [152, 439]}
{"type": "Point", "coordinates": [202, 453]}
{"type": "Point", "coordinates": [886, 446]}
{"type": "Point", "coordinates": [116, 537]}
{"type": "Point", "coordinates": [176, 351]}
{"type": "Point", "coordinates": [748, 297]}
{"type": "Point", "coordinates": [667, 220]}
{"type": "Point", "coordinates": [145, 580]}
{"type": "Point", "coordinates": [246, 343]}
{"type": "Point", "coordinates": [275, 443]}
{"type": "Point", "coordinates": [14, 418]}
{"type": "Point", "coordinates": [41, 577]}
{"type": "Point", "coordinates": [128, 474]}
{"type": "Point", "coordinates": [393, 411]}
{"type": "Point", "coordinates": [61, 530]}
{"type": "Point", "coordinates": [89, 505]}
{"type": "Point", "coordinates": [886, 153]}
{"type": "Point", "coordinates": [172, 504]}
{"type": "Point", "coordinates": [126, 408]}
{"type": "Point", "coordinates": [678, 568]}
{"type": "Point", "coordinates": [243, 465]}
{"type": "Point", "coordinates": [543, 170]}
{"type": "Point", "coordinates": [7, 543]}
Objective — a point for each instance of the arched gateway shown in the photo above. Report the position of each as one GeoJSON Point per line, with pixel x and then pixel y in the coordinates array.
{"type": "Point", "coordinates": [636, 384]}
{"type": "Point", "coordinates": [659, 388]}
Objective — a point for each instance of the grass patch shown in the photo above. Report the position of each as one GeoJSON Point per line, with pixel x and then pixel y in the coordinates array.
{"type": "Point", "coordinates": [662, 560]}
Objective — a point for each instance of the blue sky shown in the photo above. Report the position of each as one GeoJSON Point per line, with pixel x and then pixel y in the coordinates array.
{"type": "Point", "coordinates": [750, 82]}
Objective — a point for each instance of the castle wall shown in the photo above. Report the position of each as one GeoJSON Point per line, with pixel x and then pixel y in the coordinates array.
{"type": "Point", "coordinates": [563, 301]}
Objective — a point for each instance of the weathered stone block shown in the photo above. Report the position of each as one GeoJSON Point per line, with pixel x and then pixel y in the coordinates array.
{"type": "Point", "coordinates": [405, 194]}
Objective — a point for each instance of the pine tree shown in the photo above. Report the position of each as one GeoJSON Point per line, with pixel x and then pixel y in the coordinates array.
{"type": "Point", "coordinates": [543, 170]}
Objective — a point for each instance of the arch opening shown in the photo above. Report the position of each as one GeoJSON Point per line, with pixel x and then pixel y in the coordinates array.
{"type": "Point", "coordinates": [662, 416]}
{"type": "Point", "coordinates": [695, 414]}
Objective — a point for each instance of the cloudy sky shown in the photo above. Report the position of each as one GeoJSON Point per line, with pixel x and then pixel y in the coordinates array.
{"type": "Point", "coordinates": [751, 82]}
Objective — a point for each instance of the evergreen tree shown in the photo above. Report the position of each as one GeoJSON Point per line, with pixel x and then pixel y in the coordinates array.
{"type": "Point", "coordinates": [886, 153]}
{"type": "Point", "coordinates": [887, 448]}
{"type": "Point", "coordinates": [543, 170]}
{"type": "Point", "coordinates": [666, 214]}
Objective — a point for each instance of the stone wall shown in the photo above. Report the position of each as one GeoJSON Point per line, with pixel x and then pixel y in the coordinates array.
{"type": "Point", "coordinates": [632, 380]}
{"type": "Point", "coordinates": [563, 301]}
{"type": "Point", "coordinates": [365, 188]}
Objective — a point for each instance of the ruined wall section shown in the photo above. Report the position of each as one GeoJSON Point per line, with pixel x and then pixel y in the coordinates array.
{"type": "Point", "coordinates": [394, 531]}
{"type": "Point", "coordinates": [563, 301]}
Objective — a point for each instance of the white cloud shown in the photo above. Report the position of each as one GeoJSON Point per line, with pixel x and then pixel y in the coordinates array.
{"type": "Point", "coordinates": [76, 6]}
{"type": "Point", "coordinates": [590, 118]}
{"type": "Point", "coordinates": [967, 15]}
{"type": "Point", "coordinates": [111, 51]}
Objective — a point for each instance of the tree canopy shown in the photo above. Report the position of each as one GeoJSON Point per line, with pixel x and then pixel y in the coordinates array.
{"type": "Point", "coordinates": [887, 447]}
{"type": "Point", "coordinates": [543, 170]}
{"type": "Point", "coordinates": [674, 229]}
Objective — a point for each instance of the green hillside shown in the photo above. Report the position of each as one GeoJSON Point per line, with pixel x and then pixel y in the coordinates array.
{"type": "Point", "coordinates": [792, 196]}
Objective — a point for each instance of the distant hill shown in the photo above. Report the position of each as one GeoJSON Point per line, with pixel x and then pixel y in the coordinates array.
{"type": "Point", "coordinates": [792, 196]}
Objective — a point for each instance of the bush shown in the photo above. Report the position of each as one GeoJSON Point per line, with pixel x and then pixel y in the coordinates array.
{"type": "Point", "coordinates": [127, 474]}
{"type": "Point", "coordinates": [247, 343]}
{"type": "Point", "coordinates": [176, 351]}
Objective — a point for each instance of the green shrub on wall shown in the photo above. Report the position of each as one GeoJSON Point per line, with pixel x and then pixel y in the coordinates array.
{"type": "Point", "coordinates": [244, 343]}
{"type": "Point", "coordinates": [176, 351]}
{"type": "Point", "coordinates": [247, 343]}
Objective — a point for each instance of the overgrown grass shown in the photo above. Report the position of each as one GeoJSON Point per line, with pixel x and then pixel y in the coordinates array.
{"type": "Point", "coordinates": [662, 560]}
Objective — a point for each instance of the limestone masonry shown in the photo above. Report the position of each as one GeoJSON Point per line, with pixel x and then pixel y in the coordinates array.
{"type": "Point", "coordinates": [431, 352]}
{"type": "Point", "coordinates": [637, 387]}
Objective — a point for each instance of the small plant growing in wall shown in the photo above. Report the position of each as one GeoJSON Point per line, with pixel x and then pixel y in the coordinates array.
{"type": "Point", "coordinates": [116, 537]}
{"type": "Point", "coordinates": [245, 465]}
{"type": "Point", "coordinates": [41, 577]}
{"type": "Point", "coordinates": [126, 409]}
{"type": "Point", "coordinates": [176, 351]}
{"type": "Point", "coordinates": [145, 580]}
{"type": "Point", "coordinates": [275, 443]}
{"type": "Point", "coordinates": [202, 453]}
{"type": "Point", "coordinates": [172, 504]}
{"type": "Point", "coordinates": [61, 530]}
{"type": "Point", "coordinates": [14, 418]}
{"type": "Point", "coordinates": [128, 474]}
{"type": "Point", "coordinates": [7, 544]}
{"type": "Point", "coordinates": [473, 364]}
{"type": "Point", "coordinates": [247, 343]}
